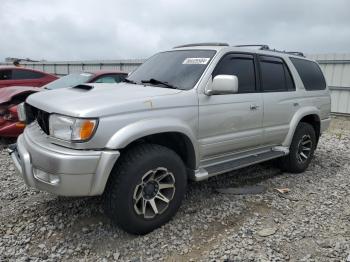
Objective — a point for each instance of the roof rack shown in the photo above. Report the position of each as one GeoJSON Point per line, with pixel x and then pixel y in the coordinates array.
{"type": "Point", "coordinates": [288, 52]}
{"type": "Point", "coordinates": [202, 44]}
{"type": "Point", "coordinates": [295, 53]}
{"type": "Point", "coordinates": [262, 47]}
{"type": "Point", "coordinates": [267, 48]}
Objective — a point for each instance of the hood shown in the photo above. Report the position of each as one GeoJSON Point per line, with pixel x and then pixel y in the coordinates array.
{"type": "Point", "coordinates": [7, 93]}
{"type": "Point", "coordinates": [100, 100]}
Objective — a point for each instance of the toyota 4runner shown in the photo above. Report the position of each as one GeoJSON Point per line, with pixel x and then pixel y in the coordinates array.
{"type": "Point", "coordinates": [192, 112]}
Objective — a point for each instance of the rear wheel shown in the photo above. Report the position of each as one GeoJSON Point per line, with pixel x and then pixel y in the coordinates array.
{"type": "Point", "coordinates": [146, 188]}
{"type": "Point", "coordinates": [301, 149]}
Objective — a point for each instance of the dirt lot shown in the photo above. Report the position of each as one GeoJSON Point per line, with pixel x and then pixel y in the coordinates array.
{"type": "Point", "coordinates": [310, 223]}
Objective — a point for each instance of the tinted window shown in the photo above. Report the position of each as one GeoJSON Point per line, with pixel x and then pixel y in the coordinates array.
{"type": "Point", "coordinates": [275, 75]}
{"type": "Point", "coordinates": [272, 76]}
{"type": "Point", "coordinates": [5, 75]}
{"type": "Point", "coordinates": [289, 80]}
{"type": "Point", "coordinates": [18, 74]}
{"type": "Point", "coordinates": [110, 78]}
{"type": "Point", "coordinates": [105, 79]}
{"type": "Point", "coordinates": [240, 66]}
{"type": "Point", "coordinates": [310, 73]}
{"type": "Point", "coordinates": [181, 68]}
{"type": "Point", "coordinates": [119, 78]}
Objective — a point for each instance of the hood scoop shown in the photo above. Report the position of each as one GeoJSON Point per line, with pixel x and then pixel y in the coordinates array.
{"type": "Point", "coordinates": [83, 87]}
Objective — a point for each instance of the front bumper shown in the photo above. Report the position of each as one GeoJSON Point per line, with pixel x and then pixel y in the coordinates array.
{"type": "Point", "coordinates": [62, 171]}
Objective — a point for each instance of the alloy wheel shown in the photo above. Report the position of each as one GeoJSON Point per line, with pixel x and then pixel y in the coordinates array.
{"type": "Point", "coordinates": [154, 192]}
{"type": "Point", "coordinates": [304, 149]}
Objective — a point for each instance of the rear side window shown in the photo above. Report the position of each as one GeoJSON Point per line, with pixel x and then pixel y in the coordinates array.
{"type": "Point", "coordinates": [241, 66]}
{"type": "Point", "coordinates": [275, 75]}
{"type": "Point", "coordinates": [19, 74]}
{"type": "Point", "coordinates": [310, 73]}
{"type": "Point", "coordinates": [5, 74]}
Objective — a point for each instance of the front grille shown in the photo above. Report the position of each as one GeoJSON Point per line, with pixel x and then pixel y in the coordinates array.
{"type": "Point", "coordinates": [42, 117]}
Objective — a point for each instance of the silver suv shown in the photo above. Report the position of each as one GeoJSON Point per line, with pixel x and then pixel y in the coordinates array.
{"type": "Point", "coordinates": [191, 112]}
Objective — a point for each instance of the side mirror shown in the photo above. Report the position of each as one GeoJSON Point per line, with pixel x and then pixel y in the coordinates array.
{"type": "Point", "coordinates": [223, 84]}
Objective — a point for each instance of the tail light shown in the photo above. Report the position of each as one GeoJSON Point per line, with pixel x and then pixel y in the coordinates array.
{"type": "Point", "coordinates": [10, 113]}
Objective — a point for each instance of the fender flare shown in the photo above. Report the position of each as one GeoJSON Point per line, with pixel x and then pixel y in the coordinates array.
{"type": "Point", "coordinates": [302, 112]}
{"type": "Point", "coordinates": [130, 133]}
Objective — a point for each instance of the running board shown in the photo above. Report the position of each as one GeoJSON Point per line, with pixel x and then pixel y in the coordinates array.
{"type": "Point", "coordinates": [204, 173]}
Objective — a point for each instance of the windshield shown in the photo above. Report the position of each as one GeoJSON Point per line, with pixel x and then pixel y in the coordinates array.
{"type": "Point", "coordinates": [69, 80]}
{"type": "Point", "coordinates": [180, 69]}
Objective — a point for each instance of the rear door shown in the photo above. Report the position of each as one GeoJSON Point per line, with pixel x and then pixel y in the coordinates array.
{"type": "Point", "coordinates": [232, 122]}
{"type": "Point", "coordinates": [279, 96]}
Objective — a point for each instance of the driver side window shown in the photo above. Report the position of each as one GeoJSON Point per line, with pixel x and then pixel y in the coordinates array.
{"type": "Point", "coordinates": [243, 67]}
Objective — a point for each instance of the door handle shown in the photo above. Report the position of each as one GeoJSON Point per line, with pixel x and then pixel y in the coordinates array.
{"type": "Point", "coordinates": [254, 107]}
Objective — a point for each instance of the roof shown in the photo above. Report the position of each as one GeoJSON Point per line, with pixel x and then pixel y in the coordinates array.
{"type": "Point", "coordinates": [24, 68]}
{"type": "Point", "coordinates": [244, 48]}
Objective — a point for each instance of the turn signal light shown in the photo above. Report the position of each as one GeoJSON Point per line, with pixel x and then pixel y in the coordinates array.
{"type": "Point", "coordinates": [86, 129]}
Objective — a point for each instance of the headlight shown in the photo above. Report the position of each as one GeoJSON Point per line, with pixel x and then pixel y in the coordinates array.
{"type": "Point", "coordinates": [21, 112]}
{"type": "Point", "coordinates": [70, 128]}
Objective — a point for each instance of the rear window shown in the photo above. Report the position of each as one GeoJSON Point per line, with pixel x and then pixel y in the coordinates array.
{"type": "Point", "coordinates": [310, 73]}
{"type": "Point", "coordinates": [19, 74]}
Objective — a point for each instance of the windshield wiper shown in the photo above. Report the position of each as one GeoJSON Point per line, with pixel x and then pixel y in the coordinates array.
{"type": "Point", "coordinates": [158, 82]}
{"type": "Point", "coordinates": [129, 81]}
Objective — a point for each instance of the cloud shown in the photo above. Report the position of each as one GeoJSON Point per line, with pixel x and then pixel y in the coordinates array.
{"type": "Point", "coordinates": [109, 29]}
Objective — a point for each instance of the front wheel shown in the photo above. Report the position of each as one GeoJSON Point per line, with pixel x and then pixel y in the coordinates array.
{"type": "Point", "coordinates": [301, 149]}
{"type": "Point", "coordinates": [146, 188]}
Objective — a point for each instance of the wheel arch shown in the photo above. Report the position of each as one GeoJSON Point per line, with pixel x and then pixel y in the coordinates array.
{"type": "Point", "coordinates": [310, 115]}
{"type": "Point", "coordinates": [171, 133]}
{"type": "Point", "coordinates": [176, 141]}
{"type": "Point", "coordinates": [315, 122]}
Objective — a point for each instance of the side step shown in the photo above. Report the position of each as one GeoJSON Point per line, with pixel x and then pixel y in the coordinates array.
{"type": "Point", "coordinates": [204, 173]}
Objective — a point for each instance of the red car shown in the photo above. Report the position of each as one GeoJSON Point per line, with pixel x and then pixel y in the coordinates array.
{"type": "Point", "coordinates": [18, 76]}
{"type": "Point", "coordinates": [10, 97]}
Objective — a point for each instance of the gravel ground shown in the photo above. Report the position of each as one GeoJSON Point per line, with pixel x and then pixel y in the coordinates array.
{"type": "Point", "coordinates": [309, 223]}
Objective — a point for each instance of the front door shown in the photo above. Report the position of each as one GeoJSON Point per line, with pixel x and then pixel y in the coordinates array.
{"type": "Point", "coordinates": [232, 122]}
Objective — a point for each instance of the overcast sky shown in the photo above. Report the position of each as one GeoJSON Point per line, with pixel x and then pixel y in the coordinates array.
{"type": "Point", "coordinates": [117, 29]}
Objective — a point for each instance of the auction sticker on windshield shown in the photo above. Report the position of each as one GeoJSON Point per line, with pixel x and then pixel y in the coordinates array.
{"type": "Point", "coordinates": [196, 61]}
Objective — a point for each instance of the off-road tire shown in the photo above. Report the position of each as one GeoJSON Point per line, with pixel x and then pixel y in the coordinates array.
{"type": "Point", "coordinates": [126, 176]}
{"type": "Point", "coordinates": [290, 163]}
